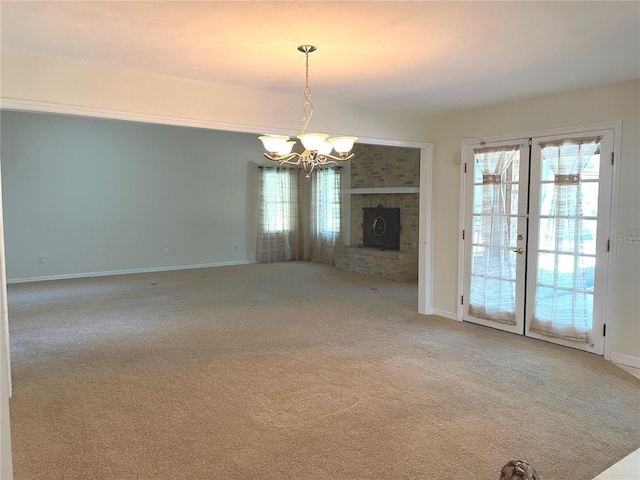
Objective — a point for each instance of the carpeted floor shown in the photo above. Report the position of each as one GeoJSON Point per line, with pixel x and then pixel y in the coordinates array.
{"type": "Point", "coordinates": [294, 371]}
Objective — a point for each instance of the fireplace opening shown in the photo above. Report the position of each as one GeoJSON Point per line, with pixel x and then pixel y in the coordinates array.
{"type": "Point", "coordinates": [381, 228]}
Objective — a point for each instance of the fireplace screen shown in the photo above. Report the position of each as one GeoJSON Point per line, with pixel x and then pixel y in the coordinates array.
{"type": "Point", "coordinates": [381, 227]}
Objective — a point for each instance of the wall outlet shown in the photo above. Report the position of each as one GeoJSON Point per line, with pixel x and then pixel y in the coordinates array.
{"type": "Point", "coordinates": [40, 259]}
{"type": "Point", "coordinates": [166, 250]}
{"type": "Point", "coordinates": [235, 248]}
{"type": "Point", "coordinates": [174, 250]}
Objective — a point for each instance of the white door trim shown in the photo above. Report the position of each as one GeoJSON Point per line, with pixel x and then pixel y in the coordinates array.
{"type": "Point", "coordinates": [425, 228]}
{"type": "Point", "coordinates": [613, 229]}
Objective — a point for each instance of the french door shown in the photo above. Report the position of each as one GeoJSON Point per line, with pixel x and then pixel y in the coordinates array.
{"type": "Point", "coordinates": [535, 239]}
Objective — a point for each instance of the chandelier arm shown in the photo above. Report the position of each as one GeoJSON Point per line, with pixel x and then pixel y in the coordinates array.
{"type": "Point", "coordinates": [325, 162]}
{"type": "Point", "coordinates": [289, 162]}
{"type": "Point", "coordinates": [285, 159]}
{"type": "Point", "coordinates": [340, 159]}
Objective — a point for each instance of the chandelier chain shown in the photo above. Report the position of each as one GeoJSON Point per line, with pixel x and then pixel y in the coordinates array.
{"type": "Point", "coordinates": [307, 93]}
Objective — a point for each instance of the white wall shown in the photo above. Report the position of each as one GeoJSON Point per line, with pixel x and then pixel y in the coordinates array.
{"type": "Point", "coordinates": [596, 105]}
{"type": "Point", "coordinates": [94, 195]}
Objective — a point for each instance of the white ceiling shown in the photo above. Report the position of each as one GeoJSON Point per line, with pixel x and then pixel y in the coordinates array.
{"type": "Point", "coordinates": [412, 56]}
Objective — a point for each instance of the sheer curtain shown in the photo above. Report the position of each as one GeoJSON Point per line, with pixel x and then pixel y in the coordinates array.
{"type": "Point", "coordinates": [325, 215]}
{"type": "Point", "coordinates": [564, 285]}
{"type": "Point", "coordinates": [493, 271]}
{"type": "Point", "coordinates": [279, 224]}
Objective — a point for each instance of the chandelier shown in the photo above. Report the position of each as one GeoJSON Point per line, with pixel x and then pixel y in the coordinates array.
{"type": "Point", "coordinates": [318, 146]}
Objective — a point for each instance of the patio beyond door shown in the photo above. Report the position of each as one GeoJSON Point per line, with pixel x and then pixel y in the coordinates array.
{"type": "Point", "coordinates": [536, 237]}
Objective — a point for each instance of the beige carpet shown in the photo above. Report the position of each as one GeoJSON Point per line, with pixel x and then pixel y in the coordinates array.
{"type": "Point", "coordinates": [294, 371]}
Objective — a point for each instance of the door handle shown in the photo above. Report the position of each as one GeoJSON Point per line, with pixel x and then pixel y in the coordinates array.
{"type": "Point", "coordinates": [519, 250]}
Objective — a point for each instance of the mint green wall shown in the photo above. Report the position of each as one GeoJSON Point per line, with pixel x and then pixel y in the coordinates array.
{"type": "Point", "coordinates": [93, 195]}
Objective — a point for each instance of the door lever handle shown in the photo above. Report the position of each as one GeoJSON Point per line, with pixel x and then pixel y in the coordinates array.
{"type": "Point", "coordinates": [519, 250]}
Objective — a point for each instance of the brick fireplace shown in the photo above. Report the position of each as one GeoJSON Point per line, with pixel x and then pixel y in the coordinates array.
{"type": "Point", "coordinates": [390, 177]}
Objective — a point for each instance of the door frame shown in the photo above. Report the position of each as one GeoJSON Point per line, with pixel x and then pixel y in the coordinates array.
{"type": "Point", "coordinates": [616, 126]}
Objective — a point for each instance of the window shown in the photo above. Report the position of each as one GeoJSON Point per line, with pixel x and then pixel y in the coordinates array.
{"type": "Point", "coordinates": [327, 203]}
{"type": "Point", "coordinates": [283, 204]}
{"type": "Point", "coordinates": [276, 200]}
{"type": "Point", "coordinates": [279, 224]}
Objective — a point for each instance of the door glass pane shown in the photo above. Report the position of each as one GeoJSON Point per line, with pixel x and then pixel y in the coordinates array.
{"type": "Point", "coordinates": [557, 305]}
{"type": "Point", "coordinates": [558, 234]}
{"type": "Point", "coordinates": [546, 264]}
{"type": "Point", "coordinates": [571, 272]}
{"type": "Point", "coordinates": [555, 270]}
{"type": "Point", "coordinates": [587, 271]}
{"type": "Point", "coordinates": [591, 170]}
{"type": "Point", "coordinates": [477, 198]}
{"type": "Point", "coordinates": [568, 235]}
{"type": "Point", "coordinates": [589, 199]}
{"type": "Point", "coordinates": [546, 173]}
{"type": "Point", "coordinates": [477, 172]}
{"type": "Point", "coordinates": [513, 171]}
{"type": "Point", "coordinates": [482, 225]}
{"type": "Point", "coordinates": [589, 237]}
{"type": "Point", "coordinates": [546, 198]}
{"type": "Point", "coordinates": [512, 198]}
{"type": "Point", "coordinates": [583, 195]}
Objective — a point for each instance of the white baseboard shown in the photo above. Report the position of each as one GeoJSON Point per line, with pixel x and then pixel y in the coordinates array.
{"type": "Point", "coordinates": [126, 272]}
{"type": "Point", "coordinates": [445, 314]}
{"type": "Point", "coordinates": [623, 359]}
